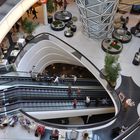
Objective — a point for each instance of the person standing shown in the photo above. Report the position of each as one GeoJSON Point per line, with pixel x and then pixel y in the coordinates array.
{"type": "Point", "coordinates": [65, 5]}
{"type": "Point", "coordinates": [128, 103]}
{"type": "Point", "coordinates": [62, 78]}
{"type": "Point", "coordinates": [30, 10]}
{"type": "Point", "coordinates": [104, 101]}
{"type": "Point", "coordinates": [69, 91]}
{"type": "Point", "coordinates": [78, 92]}
{"type": "Point", "coordinates": [74, 103]}
{"type": "Point", "coordinates": [56, 81]}
{"type": "Point", "coordinates": [74, 79]}
{"type": "Point", "coordinates": [87, 101]}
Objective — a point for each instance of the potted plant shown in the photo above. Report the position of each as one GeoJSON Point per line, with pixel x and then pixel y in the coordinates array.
{"type": "Point", "coordinates": [57, 25]}
{"type": "Point", "coordinates": [68, 33]}
{"type": "Point", "coordinates": [74, 18]}
{"type": "Point", "coordinates": [50, 10]}
{"type": "Point", "coordinates": [28, 27]}
{"type": "Point", "coordinates": [112, 69]}
{"type": "Point", "coordinates": [50, 6]}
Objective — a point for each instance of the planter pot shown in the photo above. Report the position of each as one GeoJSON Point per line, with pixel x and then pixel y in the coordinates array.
{"type": "Point", "coordinates": [50, 19]}
{"type": "Point", "coordinates": [68, 33]}
{"type": "Point", "coordinates": [63, 16]}
{"type": "Point", "coordinates": [73, 28]}
{"type": "Point", "coordinates": [29, 37]}
{"type": "Point", "coordinates": [59, 26]}
{"type": "Point", "coordinates": [69, 23]}
{"type": "Point", "coordinates": [103, 74]}
{"type": "Point", "coordinates": [112, 84]}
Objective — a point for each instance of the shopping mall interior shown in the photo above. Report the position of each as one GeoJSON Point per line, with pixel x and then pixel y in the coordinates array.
{"type": "Point", "coordinates": [69, 69]}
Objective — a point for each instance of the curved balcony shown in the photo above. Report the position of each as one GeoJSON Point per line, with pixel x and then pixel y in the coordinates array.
{"type": "Point", "coordinates": [70, 51]}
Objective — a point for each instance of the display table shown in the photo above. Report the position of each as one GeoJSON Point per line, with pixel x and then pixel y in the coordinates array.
{"type": "Point", "coordinates": [68, 33]}
{"type": "Point", "coordinates": [3, 62]}
{"type": "Point", "coordinates": [63, 16]}
{"type": "Point", "coordinates": [28, 38]}
{"type": "Point", "coordinates": [112, 46]}
{"type": "Point", "coordinates": [14, 52]}
{"type": "Point", "coordinates": [122, 35]}
{"type": "Point", "coordinates": [57, 25]}
{"type": "Point", "coordinates": [21, 42]}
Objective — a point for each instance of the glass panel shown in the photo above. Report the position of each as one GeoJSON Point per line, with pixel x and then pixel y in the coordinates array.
{"type": "Point", "coordinates": [91, 2]}
{"type": "Point", "coordinates": [91, 14]}
{"type": "Point", "coordinates": [96, 9]}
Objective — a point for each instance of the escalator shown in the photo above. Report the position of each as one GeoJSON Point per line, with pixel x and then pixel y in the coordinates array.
{"type": "Point", "coordinates": [43, 99]}
{"type": "Point", "coordinates": [13, 80]}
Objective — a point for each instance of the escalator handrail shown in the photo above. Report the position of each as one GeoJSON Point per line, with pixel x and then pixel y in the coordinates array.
{"type": "Point", "coordinates": [61, 126]}
{"type": "Point", "coordinates": [128, 131]}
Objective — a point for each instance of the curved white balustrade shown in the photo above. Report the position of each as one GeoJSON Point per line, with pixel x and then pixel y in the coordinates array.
{"type": "Point", "coordinates": [43, 54]}
{"type": "Point", "coordinates": [42, 115]}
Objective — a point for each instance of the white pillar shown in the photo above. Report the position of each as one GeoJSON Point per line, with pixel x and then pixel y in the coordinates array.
{"type": "Point", "coordinates": [45, 14]}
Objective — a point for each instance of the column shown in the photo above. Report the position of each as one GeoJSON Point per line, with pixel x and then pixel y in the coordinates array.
{"type": "Point", "coordinates": [97, 16]}
{"type": "Point", "coordinates": [45, 13]}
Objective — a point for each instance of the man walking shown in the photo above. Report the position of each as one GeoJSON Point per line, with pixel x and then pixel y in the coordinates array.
{"type": "Point", "coordinates": [34, 12]}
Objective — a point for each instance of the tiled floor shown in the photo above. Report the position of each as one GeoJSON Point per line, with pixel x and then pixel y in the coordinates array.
{"type": "Point", "coordinates": [16, 133]}
{"type": "Point", "coordinates": [96, 55]}
{"type": "Point", "coordinates": [92, 48]}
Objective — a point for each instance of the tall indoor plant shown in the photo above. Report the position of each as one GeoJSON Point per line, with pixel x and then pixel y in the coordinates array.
{"type": "Point", "coordinates": [50, 10]}
{"type": "Point", "coordinates": [112, 69]}
{"type": "Point", "coordinates": [28, 26]}
{"type": "Point", "coordinates": [50, 7]}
